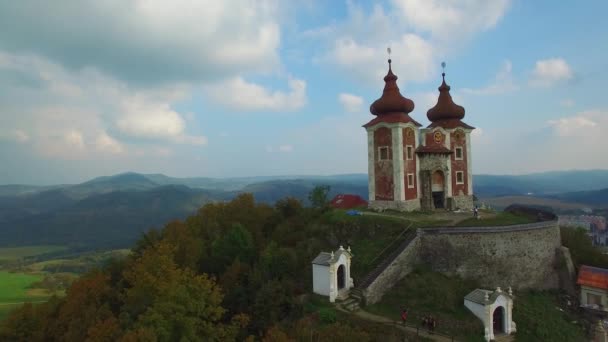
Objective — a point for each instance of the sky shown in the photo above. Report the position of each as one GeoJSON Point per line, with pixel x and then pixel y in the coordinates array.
{"type": "Point", "coordinates": [282, 87]}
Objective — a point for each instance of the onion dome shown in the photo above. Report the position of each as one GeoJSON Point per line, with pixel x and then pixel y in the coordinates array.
{"type": "Point", "coordinates": [391, 101]}
{"type": "Point", "coordinates": [445, 109]}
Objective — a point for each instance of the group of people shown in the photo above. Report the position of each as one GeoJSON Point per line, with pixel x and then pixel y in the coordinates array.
{"type": "Point", "coordinates": [428, 321]}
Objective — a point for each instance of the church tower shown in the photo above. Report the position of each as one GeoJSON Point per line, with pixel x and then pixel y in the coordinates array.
{"type": "Point", "coordinates": [392, 139]}
{"type": "Point", "coordinates": [445, 156]}
{"type": "Point", "coordinates": [410, 167]}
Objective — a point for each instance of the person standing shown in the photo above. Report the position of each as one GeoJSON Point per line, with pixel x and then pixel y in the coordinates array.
{"type": "Point", "coordinates": [404, 315]}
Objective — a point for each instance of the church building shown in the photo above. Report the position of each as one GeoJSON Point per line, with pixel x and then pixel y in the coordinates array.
{"type": "Point", "coordinates": [416, 168]}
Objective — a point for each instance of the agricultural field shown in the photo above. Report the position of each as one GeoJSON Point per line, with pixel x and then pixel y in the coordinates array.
{"type": "Point", "coordinates": [26, 276]}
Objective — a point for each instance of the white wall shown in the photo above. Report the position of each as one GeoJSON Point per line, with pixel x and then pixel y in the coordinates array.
{"type": "Point", "coordinates": [320, 279]}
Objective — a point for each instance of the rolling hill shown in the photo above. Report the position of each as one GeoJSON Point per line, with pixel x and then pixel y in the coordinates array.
{"type": "Point", "coordinates": [114, 210]}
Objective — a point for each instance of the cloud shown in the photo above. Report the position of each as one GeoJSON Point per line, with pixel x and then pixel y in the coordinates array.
{"type": "Point", "coordinates": [106, 143]}
{"type": "Point", "coordinates": [503, 82]}
{"type": "Point", "coordinates": [351, 103]}
{"type": "Point", "coordinates": [417, 32]}
{"type": "Point", "coordinates": [17, 135]}
{"type": "Point", "coordinates": [68, 112]}
{"type": "Point", "coordinates": [452, 19]}
{"type": "Point", "coordinates": [413, 59]}
{"type": "Point", "coordinates": [148, 41]}
{"type": "Point", "coordinates": [238, 94]}
{"type": "Point", "coordinates": [581, 125]}
{"type": "Point", "coordinates": [549, 72]}
{"type": "Point", "coordinates": [567, 103]}
{"type": "Point", "coordinates": [285, 148]}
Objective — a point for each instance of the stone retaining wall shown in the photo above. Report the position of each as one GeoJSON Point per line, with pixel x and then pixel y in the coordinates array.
{"type": "Point", "coordinates": [520, 256]}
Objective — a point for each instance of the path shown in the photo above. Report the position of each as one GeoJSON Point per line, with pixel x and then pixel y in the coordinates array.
{"type": "Point", "coordinates": [380, 319]}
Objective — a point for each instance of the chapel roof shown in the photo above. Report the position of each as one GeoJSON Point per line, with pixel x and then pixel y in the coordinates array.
{"type": "Point", "coordinates": [325, 258]}
{"type": "Point", "coordinates": [391, 100]}
{"type": "Point", "coordinates": [593, 277]}
{"type": "Point", "coordinates": [478, 296]}
{"type": "Point", "coordinates": [446, 113]}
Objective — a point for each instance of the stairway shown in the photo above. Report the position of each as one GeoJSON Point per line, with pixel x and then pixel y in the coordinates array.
{"type": "Point", "coordinates": [355, 296]}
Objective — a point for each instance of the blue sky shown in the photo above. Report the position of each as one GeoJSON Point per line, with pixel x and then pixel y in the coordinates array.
{"type": "Point", "coordinates": [243, 88]}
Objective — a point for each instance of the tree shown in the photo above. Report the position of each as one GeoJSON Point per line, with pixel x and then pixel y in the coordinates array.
{"type": "Point", "coordinates": [318, 197]}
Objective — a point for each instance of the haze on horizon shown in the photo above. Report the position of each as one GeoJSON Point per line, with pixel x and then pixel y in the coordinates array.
{"type": "Point", "coordinates": [241, 88]}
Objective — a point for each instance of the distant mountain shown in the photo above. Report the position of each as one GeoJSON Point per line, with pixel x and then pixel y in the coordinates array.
{"type": "Point", "coordinates": [546, 183]}
{"type": "Point", "coordinates": [592, 198]}
{"type": "Point", "coordinates": [114, 210]}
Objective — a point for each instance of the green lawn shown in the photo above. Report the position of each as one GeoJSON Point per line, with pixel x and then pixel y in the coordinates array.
{"type": "Point", "coordinates": [423, 293]}
{"type": "Point", "coordinates": [500, 219]}
{"type": "Point", "coordinates": [14, 253]}
{"type": "Point", "coordinates": [536, 314]}
{"type": "Point", "coordinates": [15, 289]}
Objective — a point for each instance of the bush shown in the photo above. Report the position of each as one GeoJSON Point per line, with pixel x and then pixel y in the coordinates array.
{"type": "Point", "coordinates": [327, 315]}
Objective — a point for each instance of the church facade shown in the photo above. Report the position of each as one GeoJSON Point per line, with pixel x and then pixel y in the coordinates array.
{"type": "Point", "coordinates": [411, 167]}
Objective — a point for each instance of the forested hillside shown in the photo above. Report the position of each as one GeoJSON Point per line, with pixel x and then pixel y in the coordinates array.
{"type": "Point", "coordinates": [232, 270]}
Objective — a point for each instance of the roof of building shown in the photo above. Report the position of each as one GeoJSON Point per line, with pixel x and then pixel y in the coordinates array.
{"type": "Point", "coordinates": [445, 109]}
{"type": "Point", "coordinates": [478, 296]}
{"type": "Point", "coordinates": [433, 149]}
{"type": "Point", "coordinates": [450, 123]}
{"type": "Point", "coordinates": [347, 201]}
{"type": "Point", "coordinates": [593, 277]}
{"type": "Point", "coordinates": [392, 118]}
{"type": "Point", "coordinates": [391, 100]}
{"type": "Point", "coordinates": [325, 259]}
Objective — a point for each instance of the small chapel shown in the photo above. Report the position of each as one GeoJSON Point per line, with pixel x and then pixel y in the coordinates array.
{"type": "Point", "coordinates": [416, 168]}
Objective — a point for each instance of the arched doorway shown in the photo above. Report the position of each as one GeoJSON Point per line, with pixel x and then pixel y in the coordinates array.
{"type": "Point", "coordinates": [498, 320]}
{"type": "Point", "coordinates": [340, 277]}
{"type": "Point", "coordinates": [438, 189]}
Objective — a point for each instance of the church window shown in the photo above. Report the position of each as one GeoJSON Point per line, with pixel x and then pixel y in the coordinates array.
{"type": "Point", "coordinates": [409, 152]}
{"type": "Point", "coordinates": [383, 152]}
{"type": "Point", "coordinates": [458, 153]}
{"type": "Point", "coordinates": [410, 180]}
{"type": "Point", "coordinates": [459, 177]}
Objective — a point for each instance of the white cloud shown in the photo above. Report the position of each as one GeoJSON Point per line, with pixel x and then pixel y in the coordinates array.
{"type": "Point", "coordinates": [106, 143]}
{"type": "Point", "coordinates": [551, 71]}
{"type": "Point", "coordinates": [413, 58]}
{"type": "Point", "coordinates": [16, 135]}
{"type": "Point", "coordinates": [452, 19]}
{"type": "Point", "coordinates": [582, 124]}
{"type": "Point", "coordinates": [74, 139]}
{"type": "Point", "coordinates": [236, 93]}
{"type": "Point", "coordinates": [350, 102]}
{"type": "Point", "coordinates": [567, 103]}
{"type": "Point", "coordinates": [503, 82]}
{"type": "Point", "coordinates": [168, 41]}
{"type": "Point", "coordinates": [286, 148]}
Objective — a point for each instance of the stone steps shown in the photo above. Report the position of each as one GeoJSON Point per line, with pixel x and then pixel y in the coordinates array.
{"type": "Point", "coordinates": [503, 338]}
{"type": "Point", "coordinates": [351, 304]}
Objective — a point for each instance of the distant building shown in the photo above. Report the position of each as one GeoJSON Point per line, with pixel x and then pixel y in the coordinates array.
{"type": "Point", "coordinates": [345, 201]}
{"type": "Point", "coordinates": [594, 225]}
{"type": "Point", "coordinates": [414, 168]}
{"type": "Point", "coordinates": [593, 282]}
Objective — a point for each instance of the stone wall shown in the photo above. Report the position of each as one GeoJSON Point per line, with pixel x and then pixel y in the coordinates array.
{"type": "Point", "coordinates": [521, 256]}
{"type": "Point", "coordinates": [462, 202]}
{"type": "Point", "coordinates": [410, 205]}
{"type": "Point", "coordinates": [395, 271]}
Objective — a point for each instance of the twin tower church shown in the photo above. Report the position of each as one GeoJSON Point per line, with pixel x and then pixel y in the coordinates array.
{"type": "Point", "coordinates": [415, 168]}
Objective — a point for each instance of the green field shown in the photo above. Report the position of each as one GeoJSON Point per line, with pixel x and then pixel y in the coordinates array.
{"type": "Point", "coordinates": [15, 289]}
{"type": "Point", "coordinates": [15, 253]}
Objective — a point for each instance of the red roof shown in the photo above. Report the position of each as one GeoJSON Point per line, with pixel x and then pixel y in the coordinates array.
{"type": "Point", "coordinates": [593, 277]}
{"type": "Point", "coordinates": [345, 201]}
{"type": "Point", "coordinates": [450, 123]}
{"type": "Point", "coordinates": [392, 118]}
{"type": "Point", "coordinates": [433, 149]}
{"type": "Point", "coordinates": [391, 99]}
{"type": "Point", "coordinates": [445, 107]}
